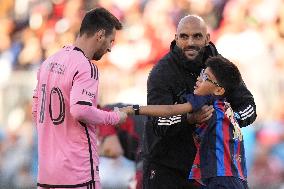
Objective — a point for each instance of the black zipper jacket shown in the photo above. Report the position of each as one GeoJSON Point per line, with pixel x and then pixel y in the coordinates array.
{"type": "Point", "coordinates": [169, 141]}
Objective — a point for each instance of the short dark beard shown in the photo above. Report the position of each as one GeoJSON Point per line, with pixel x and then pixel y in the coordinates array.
{"type": "Point", "coordinates": [195, 65]}
{"type": "Point", "coordinates": [96, 57]}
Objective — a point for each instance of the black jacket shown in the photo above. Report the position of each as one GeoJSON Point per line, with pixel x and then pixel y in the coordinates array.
{"type": "Point", "coordinates": [169, 141]}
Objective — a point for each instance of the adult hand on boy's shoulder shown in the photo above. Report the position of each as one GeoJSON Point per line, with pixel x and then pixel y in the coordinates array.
{"type": "Point", "coordinates": [200, 116]}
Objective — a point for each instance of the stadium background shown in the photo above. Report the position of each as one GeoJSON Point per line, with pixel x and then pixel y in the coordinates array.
{"type": "Point", "coordinates": [248, 32]}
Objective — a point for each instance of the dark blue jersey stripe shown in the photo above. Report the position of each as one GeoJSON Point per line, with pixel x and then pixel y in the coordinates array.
{"type": "Point", "coordinates": [236, 144]}
{"type": "Point", "coordinates": [219, 141]}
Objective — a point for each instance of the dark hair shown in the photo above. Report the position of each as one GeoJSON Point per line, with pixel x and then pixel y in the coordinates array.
{"type": "Point", "coordinates": [226, 73]}
{"type": "Point", "coordinates": [97, 19]}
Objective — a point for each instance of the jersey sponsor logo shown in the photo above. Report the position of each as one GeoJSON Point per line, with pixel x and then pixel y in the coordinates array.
{"type": "Point", "coordinates": [88, 93]}
{"type": "Point", "coordinates": [56, 68]}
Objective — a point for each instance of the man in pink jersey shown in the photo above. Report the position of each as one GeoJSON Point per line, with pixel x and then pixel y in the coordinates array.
{"type": "Point", "coordinates": [65, 106]}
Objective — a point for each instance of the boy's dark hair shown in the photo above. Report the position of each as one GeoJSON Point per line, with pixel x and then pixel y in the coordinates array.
{"type": "Point", "coordinates": [226, 73]}
{"type": "Point", "coordinates": [97, 19]}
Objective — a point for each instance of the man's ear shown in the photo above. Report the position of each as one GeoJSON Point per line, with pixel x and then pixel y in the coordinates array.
{"type": "Point", "coordinates": [176, 37]}
{"type": "Point", "coordinates": [100, 34]}
{"type": "Point", "coordinates": [219, 91]}
{"type": "Point", "coordinates": [207, 38]}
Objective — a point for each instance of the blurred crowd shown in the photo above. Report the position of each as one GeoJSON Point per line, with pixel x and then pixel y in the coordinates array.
{"type": "Point", "coordinates": [248, 32]}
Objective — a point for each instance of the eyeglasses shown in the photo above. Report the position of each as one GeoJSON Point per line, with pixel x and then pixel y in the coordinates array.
{"type": "Point", "coordinates": [204, 77]}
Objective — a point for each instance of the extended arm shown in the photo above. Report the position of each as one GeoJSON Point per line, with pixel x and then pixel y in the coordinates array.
{"type": "Point", "coordinates": [165, 110]}
{"type": "Point", "coordinates": [92, 115]}
{"type": "Point", "coordinates": [194, 102]}
{"type": "Point", "coordinates": [160, 110]}
{"type": "Point", "coordinates": [82, 101]}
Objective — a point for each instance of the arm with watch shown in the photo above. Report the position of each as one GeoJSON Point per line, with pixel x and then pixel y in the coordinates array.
{"type": "Point", "coordinates": [194, 102]}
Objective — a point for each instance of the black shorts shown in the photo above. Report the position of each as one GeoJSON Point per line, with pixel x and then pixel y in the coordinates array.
{"type": "Point", "coordinates": [225, 183]}
{"type": "Point", "coordinates": [160, 177]}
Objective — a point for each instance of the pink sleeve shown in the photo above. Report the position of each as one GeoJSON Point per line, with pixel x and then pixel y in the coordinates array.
{"type": "Point", "coordinates": [105, 129]}
{"type": "Point", "coordinates": [92, 115]}
{"type": "Point", "coordinates": [83, 98]}
{"type": "Point", "coordinates": [35, 100]}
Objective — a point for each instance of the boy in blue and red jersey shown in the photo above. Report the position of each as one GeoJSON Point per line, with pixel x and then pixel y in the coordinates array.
{"type": "Point", "coordinates": [220, 159]}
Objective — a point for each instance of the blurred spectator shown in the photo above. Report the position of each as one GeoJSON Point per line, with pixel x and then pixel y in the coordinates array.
{"type": "Point", "coordinates": [269, 159]}
{"type": "Point", "coordinates": [17, 147]}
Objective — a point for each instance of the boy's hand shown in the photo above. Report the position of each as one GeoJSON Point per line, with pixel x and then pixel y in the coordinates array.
{"type": "Point", "coordinates": [128, 110]}
{"type": "Point", "coordinates": [200, 116]}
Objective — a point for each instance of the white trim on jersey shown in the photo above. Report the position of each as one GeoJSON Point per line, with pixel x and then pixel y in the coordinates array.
{"type": "Point", "coordinates": [169, 121]}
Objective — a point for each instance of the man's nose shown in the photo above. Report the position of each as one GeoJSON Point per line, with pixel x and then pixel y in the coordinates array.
{"type": "Point", "coordinates": [190, 41]}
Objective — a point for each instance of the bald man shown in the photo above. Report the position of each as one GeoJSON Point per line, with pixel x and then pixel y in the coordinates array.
{"type": "Point", "coordinates": [168, 145]}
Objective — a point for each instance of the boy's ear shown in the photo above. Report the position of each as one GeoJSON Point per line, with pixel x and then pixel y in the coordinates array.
{"type": "Point", "coordinates": [219, 91]}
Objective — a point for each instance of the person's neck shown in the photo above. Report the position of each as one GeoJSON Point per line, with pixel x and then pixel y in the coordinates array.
{"type": "Point", "coordinates": [83, 44]}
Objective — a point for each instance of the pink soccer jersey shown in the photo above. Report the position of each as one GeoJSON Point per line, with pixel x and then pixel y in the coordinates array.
{"type": "Point", "coordinates": [64, 108]}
